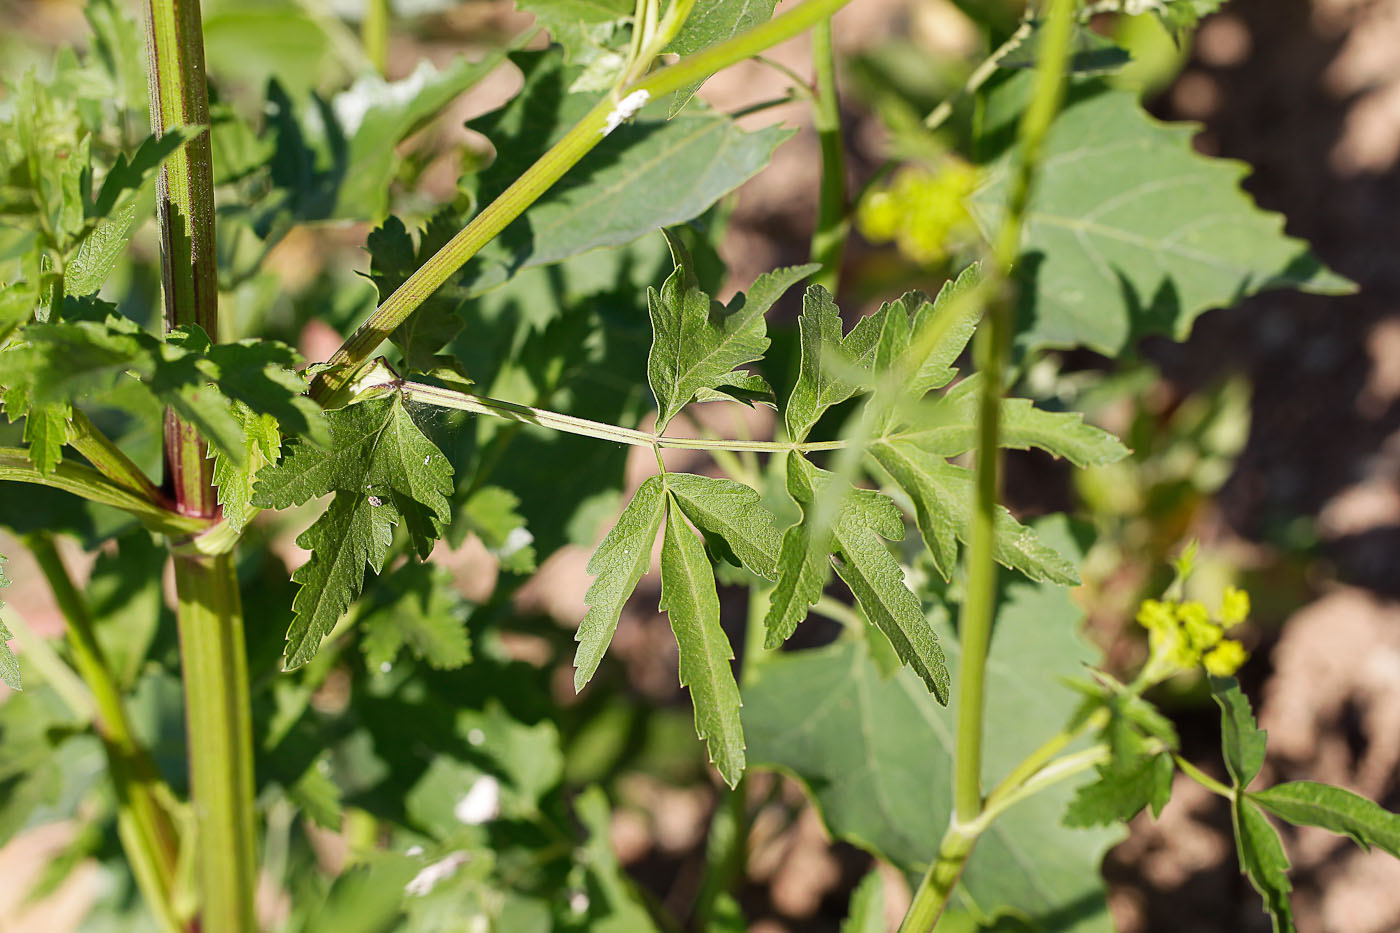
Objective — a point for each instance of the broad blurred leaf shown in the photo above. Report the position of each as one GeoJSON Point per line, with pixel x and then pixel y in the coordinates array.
{"type": "Point", "coordinates": [876, 754]}
{"type": "Point", "coordinates": [1131, 232]}
{"type": "Point", "coordinates": [416, 607]}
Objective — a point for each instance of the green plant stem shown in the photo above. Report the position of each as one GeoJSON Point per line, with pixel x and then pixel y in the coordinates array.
{"type": "Point", "coordinates": [937, 885]}
{"type": "Point", "coordinates": [374, 34]}
{"type": "Point", "coordinates": [185, 212]}
{"type": "Point", "coordinates": [1203, 779]}
{"type": "Point", "coordinates": [93, 486]}
{"type": "Point", "coordinates": [979, 606]}
{"type": "Point", "coordinates": [541, 176]}
{"type": "Point", "coordinates": [980, 75]}
{"type": "Point", "coordinates": [109, 460]}
{"type": "Point", "coordinates": [1039, 758]}
{"type": "Point", "coordinates": [147, 833]}
{"type": "Point", "coordinates": [511, 411]}
{"type": "Point", "coordinates": [833, 223]}
{"type": "Point", "coordinates": [219, 733]}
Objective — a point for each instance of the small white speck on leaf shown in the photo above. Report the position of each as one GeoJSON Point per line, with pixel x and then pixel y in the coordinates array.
{"type": "Point", "coordinates": [441, 870]}
{"type": "Point", "coordinates": [375, 501]}
{"type": "Point", "coordinates": [413, 851]}
{"type": "Point", "coordinates": [625, 110]}
{"type": "Point", "coordinates": [385, 667]}
{"type": "Point", "coordinates": [476, 736]}
{"type": "Point", "coordinates": [578, 902]}
{"type": "Point", "coordinates": [481, 803]}
{"type": "Point", "coordinates": [426, 458]}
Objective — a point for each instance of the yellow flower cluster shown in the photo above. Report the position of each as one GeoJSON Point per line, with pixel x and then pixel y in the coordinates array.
{"type": "Point", "coordinates": [921, 210]}
{"type": "Point", "coordinates": [1182, 635]}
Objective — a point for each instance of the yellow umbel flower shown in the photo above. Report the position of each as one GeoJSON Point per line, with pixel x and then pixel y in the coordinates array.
{"type": "Point", "coordinates": [1183, 636]}
{"type": "Point", "coordinates": [921, 210]}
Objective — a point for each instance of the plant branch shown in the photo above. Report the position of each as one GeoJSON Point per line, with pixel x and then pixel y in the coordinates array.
{"type": "Point", "coordinates": [833, 224]}
{"type": "Point", "coordinates": [374, 34]}
{"type": "Point", "coordinates": [147, 833]}
{"type": "Point", "coordinates": [109, 460]}
{"type": "Point", "coordinates": [979, 607]}
{"type": "Point", "coordinates": [933, 892]}
{"type": "Point", "coordinates": [89, 484]}
{"type": "Point", "coordinates": [980, 75]}
{"type": "Point", "coordinates": [541, 176]}
{"type": "Point", "coordinates": [1203, 779]}
{"type": "Point", "coordinates": [512, 411]}
{"type": "Point", "coordinates": [218, 730]}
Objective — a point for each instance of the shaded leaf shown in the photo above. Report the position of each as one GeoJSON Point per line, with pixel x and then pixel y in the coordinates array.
{"type": "Point", "coordinates": [416, 606]}
{"type": "Point", "coordinates": [732, 518]}
{"type": "Point", "coordinates": [833, 367]}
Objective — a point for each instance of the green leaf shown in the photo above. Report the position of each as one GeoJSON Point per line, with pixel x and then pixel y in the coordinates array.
{"type": "Point", "coordinates": [9, 664]}
{"type": "Point", "coordinates": [947, 427]}
{"type": "Point", "coordinates": [351, 533]}
{"type": "Point", "coordinates": [942, 328]}
{"type": "Point", "coordinates": [649, 173]}
{"type": "Point", "coordinates": [46, 431]}
{"type": "Point", "coordinates": [732, 518]}
{"type": "Point", "coordinates": [1263, 861]}
{"type": "Point", "coordinates": [697, 343]}
{"type": "Point", "coordinates": [1307, 803]}
{"type": "Point", "coordinates": [1122, 790]}
{"type": "Point", "coordinates": [262, 445]}
{"type": "Point", "coordinates": [867, 911]}
{"type": "Point", "coordinates": [376, 115]}
{"type": "Point", "coordinates": [1131, 232]}
{"type": "Point", "coordinates": [875, 753]}
{"type": "Point", "coordinates": [393, 258]}
{"type": "Point", "coordinates": [1241, 739]}
{"type": "Point", "coordinates": [317, 795]}
{"type": "Point", "coordinates": [943, 500]}
{"type": "Point", "coordinates": [382, 469]}
{"type": "Point", "coordinates": [128, 176]}
{"type": "Point", "coordinates": [689, 598]}
{"type": "Point", "coordinates": [593, 34]}
{"type": "Point", "coordinates": [417, 606]}
{"type": "Point", "coordinates": [713, 22]}
{"type": "Point", "coordinates": [1089, 52]}
{"type": "Point", "coordinates": [614, 905]}
{"type": "Point", "coordinates": [618, 564]}
{"type": "Point", "coordinates": [863, 561]}
{"type": "Point", "coordinates": [492, 513]}
{"type": "Point", "coordinates": [833, 367]}
{"type": "Point", "coordinates": [375, 451]}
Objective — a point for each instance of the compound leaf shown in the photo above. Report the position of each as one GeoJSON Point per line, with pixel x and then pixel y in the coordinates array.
{"type": "Point", "coordinates": [1130, 231]}
{"type": "Point", "coordinates": [943, 495]}
{"type": "Point", "coordinates": [833, 368]}
{"type": "Point", "coordinates": [732, 518]}
{"type": "Point", "coordinates": [689, 599]}
{"type": "Point", "coordinates": [262, 444]}
{"type": "Point", "coordinates": [1263, 862]}
{"type": "Point", "coordinates": [1308, 803]}
{"type": "Point", "coordinates": [697, 343]}
{"type": "Point", "coordinates": [1123, 789]}
{"type": "Point", "coordinates": [618, 564]}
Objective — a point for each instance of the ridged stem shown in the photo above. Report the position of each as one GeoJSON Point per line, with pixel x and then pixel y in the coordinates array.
{"type": "Point", "coordinates": [218, 726]}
